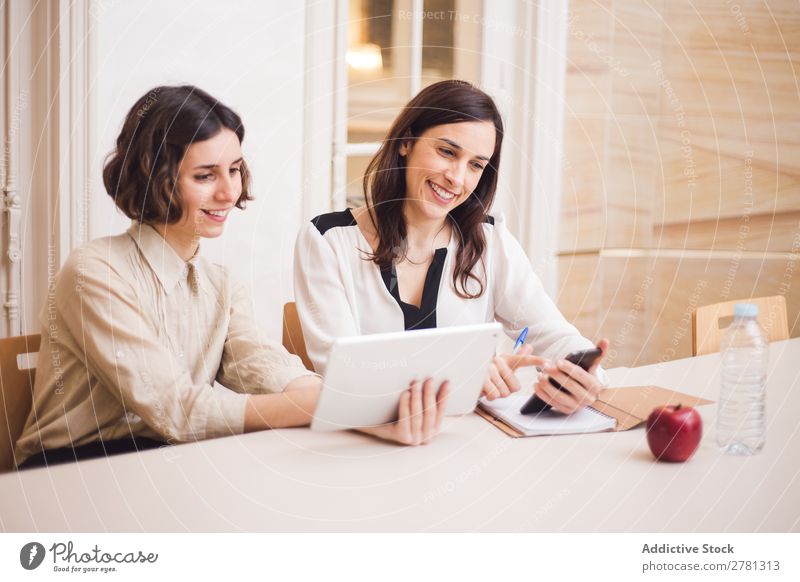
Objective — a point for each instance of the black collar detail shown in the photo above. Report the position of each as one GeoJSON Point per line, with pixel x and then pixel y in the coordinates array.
{"type": "Point", "coordinates": [325, 222]}
{"type": "Point", "coordinates": [424, 316]}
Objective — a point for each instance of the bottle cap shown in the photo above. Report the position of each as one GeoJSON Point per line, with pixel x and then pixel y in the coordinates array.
{"type": "Point", "coordinates": [745, 310]}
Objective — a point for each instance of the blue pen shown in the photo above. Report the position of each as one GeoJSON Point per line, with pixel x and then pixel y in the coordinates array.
{"type": "Point", "coordinates": [520, 340]}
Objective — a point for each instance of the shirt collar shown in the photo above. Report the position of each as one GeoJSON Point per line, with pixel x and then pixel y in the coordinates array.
{"type": "Point", "coordinates": [162, 258]}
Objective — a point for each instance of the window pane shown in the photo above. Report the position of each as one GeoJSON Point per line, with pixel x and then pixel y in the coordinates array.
{"type": "Point", "coordinates": [378, 66]}
{"type": "Point", "coordinates": [379, 56]}
{"type": "Point", "coordinates": [356, 165]}
{"type": "Point", "coordinates": [451, 35]}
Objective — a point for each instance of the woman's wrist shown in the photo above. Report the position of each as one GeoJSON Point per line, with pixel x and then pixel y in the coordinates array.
{"type": "Point", "coordinates": [293, 407]}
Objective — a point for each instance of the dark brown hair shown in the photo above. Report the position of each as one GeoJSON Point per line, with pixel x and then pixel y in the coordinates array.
{"type": "Point", "coordinates": [442, 103]}
{"type": "Point", "coordinates": [141, 173]}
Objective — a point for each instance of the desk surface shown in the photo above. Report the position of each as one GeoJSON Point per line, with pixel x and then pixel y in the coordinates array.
{"type": "Point", "coordinates": [470, 478]}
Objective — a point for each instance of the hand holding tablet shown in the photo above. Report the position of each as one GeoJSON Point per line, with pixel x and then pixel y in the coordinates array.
{"type": "Point", "coordinates": [419, 414]}
{"type": "Point", "coordinates": [366, 383]}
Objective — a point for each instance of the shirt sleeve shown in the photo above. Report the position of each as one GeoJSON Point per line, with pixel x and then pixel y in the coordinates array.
{"type": "Point", "coordinates": [322, 305]}
{"type": "Point", "coordinates": [251, 362]}
{"type": "Point", "coordinates": [520, 301]}
{"type": "Point", "coordinates": [118, 341]}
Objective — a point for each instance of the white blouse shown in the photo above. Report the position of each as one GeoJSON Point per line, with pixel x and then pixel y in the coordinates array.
{"type": "Point", "coordinates": [340, 292]}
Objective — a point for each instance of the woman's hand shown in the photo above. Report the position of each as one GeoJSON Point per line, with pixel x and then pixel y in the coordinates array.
{"type": "Point", "coordinates": [419, 415]}
{"type": "Point", "coordinates": [584, 386]}
{"type": "Point", "coordinates": [502, 381]}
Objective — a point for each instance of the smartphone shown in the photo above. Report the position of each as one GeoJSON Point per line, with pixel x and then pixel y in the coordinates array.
{"type": "Point", "coordinates": [583, 358]}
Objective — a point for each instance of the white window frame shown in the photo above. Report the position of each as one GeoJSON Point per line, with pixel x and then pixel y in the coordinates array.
{"type": "Point", "coordinates": [46, 178]}
{"type": "Point", "coordinates": [342, 149]}
{"type": "Point", "coordinates": [524, 73]}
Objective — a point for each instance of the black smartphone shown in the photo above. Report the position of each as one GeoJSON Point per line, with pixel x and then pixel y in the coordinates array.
{"type": "Point", "coordinates": [583, 358]}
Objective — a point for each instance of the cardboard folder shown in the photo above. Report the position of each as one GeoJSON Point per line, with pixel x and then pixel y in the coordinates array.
{"type": "Point", "coordinates": [630, 406]}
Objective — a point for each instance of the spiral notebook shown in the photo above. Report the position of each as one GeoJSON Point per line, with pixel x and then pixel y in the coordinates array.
{"type": "Point", "coordinates": [548, 422]}
{"type": "Point", "coordinates": [616, 409]}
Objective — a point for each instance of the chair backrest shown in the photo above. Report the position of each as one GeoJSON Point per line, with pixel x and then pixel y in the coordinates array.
{"type": "Point", "coordinates": [293, 339]}
{"type": "Point", "coordinates": [16, 393]}
{"type": "Point", "coordinates": [706, 332]}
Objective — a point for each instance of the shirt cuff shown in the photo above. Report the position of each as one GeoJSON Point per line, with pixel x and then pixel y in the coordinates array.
{"type": "Point", "coordinates": [285, 375]}
{"type": "Point", "coordinates": [227, 417]}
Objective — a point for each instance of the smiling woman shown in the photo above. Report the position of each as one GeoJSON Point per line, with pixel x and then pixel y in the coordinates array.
{"type": "Point", "coordinates": [140, 174]}
{"type": "Point", "coordinates": [140, 327]}
{"type": "Point", "coordinates": [209, 191]}
{"type": "Point", "coordinates": [440, 159]}
{"type": "Point", "coordinates": [425, 252]}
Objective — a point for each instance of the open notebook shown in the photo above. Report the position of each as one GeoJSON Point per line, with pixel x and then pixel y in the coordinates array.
{"type": "Point", "coordinates": [548, 422]}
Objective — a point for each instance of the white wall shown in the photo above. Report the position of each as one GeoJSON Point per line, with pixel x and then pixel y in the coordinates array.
{"type": "Point", "coordinates": [248, 54]}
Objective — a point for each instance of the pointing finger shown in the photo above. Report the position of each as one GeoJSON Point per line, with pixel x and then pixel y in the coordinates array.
{"type": "Point", "coordinates": [518, 361]}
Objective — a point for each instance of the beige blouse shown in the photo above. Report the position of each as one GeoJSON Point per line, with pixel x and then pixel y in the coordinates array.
{"type": "Point", "coordinates": [133, 339]}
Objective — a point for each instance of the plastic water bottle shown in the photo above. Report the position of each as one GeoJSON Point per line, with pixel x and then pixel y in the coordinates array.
{"type": "Point", "coordinates": [741, 421]}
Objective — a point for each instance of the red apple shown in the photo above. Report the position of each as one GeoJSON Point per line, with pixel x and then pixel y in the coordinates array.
{"type": "Point", "coordinates": [673, 432]}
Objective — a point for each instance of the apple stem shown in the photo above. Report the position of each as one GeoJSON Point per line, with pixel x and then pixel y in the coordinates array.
{"type": "Point", "coordinates": [677, 408]}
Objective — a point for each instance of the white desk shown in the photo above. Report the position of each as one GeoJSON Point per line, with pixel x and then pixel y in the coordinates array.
{"type": "Point", "coordinates": [471, 478]}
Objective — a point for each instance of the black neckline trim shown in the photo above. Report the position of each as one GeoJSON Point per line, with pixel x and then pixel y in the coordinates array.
{"type": "Point", "coordinates": [424, 316]}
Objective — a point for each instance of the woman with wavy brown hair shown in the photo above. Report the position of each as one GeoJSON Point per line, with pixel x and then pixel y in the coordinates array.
{"type": "Point", "coordinates": [425, 252]}
{"type": "Point", "coordinates": [139, 327]}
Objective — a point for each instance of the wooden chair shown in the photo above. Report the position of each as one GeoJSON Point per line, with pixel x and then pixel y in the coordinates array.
{"type": "Point", "coordinates": [293, 339]}
{"type": "Point", "coordinates": [706, 332]}
{"type": "Point", "coordinates": [16, 389]}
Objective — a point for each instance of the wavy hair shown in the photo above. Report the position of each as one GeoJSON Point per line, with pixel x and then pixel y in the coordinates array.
{"type": "Point", "coordinates": [141, 173]}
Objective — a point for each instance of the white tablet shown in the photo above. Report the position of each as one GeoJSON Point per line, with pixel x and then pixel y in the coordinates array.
{"type": "Point", "coordinates": [367, 374]}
